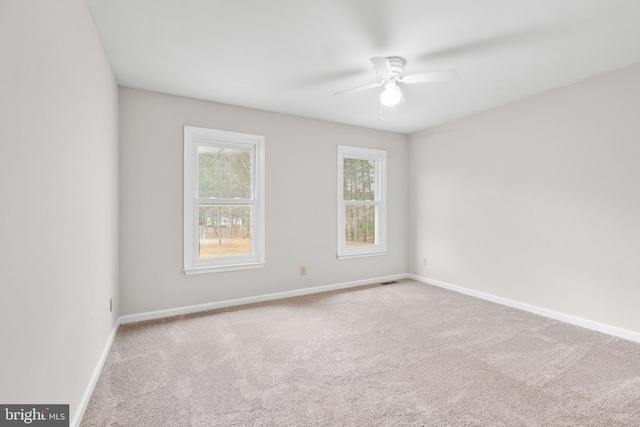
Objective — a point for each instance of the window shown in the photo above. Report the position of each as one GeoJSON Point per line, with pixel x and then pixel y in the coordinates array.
{"type": "Point", "coordinates": [362, 210]}
{"type": "Point", "coordinates": [223, 201]}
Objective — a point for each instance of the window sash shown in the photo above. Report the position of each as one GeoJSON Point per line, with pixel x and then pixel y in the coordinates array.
{"type": "Point", "coordinates": [213, 176]}
{"type": "Point", "coordinates": [376, 221]}
{"type": "Point", "coordinates": [227, 202]}
{"type": "Point", "coordinates": [216, 144]}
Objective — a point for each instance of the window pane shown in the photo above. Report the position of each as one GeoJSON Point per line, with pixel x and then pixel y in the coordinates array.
{"type": "Point", "coordinates": [224, 172]}
{"type": "Point", "coordinates": [359, 179]}
{"type": "Point", "coordinates": [359, 225]}
{"type": "Point", "coordinates": [224, 231]}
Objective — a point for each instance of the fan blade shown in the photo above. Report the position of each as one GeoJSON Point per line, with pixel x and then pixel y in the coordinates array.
{"type": "Point", "coordinates": [382, 65]}
{"type": "Point", "coordinates": [355, 89]}
{"type": "Point", "coordinates": [435, 76]}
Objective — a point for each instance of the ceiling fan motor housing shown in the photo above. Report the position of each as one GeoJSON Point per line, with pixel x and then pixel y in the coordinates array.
{"type": "Point", "coordinates": [397, 66]}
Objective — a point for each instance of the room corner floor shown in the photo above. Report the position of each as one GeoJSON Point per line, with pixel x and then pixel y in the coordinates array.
{"type": "Point", "coordinates": [405, 354]}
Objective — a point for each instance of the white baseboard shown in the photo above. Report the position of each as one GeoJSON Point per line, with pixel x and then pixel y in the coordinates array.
{"type": "Point", "coordinates": [77, 419]}
{"type": "Point", "coordinates": [159, 314]}
{"type": "Point", "coordinates": [563, 317]}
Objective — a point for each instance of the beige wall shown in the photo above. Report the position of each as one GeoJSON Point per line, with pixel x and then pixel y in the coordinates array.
{"type": "Point", "coordinates": [301, 185]}
{"type": "Point", "coordinates": [58, 186]}
{"type": "Point", "coordinates": [537, 201]}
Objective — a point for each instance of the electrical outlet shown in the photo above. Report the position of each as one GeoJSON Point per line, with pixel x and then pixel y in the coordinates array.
{"type": "Point", "coordinates": [424, 262]}
{"type": "Point", "coordinates": [303, 270]}
{"type": "Point", "coordinates": [110, 305]}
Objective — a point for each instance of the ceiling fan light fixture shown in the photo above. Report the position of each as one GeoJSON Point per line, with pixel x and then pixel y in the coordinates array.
{"type": "Point", "coordinates": [391, 95]}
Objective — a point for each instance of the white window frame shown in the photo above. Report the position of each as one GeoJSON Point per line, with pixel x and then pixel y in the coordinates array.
{"type": "Point", "coordinates": [197, 136]}
{"type": "Point", "coordinates": [380, 202]}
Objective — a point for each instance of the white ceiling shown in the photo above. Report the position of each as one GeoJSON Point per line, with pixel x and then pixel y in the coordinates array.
{"type": "Point", "coordinates": [290, 56]}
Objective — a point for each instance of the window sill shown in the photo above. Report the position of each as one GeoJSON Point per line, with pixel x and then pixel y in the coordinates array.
{"type": "Point", "coordinates": [361, 254]}
{"type": "Point", "coordinates": [221, 268]}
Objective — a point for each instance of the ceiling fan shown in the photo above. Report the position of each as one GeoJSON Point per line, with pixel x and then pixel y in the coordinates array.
{"type": "Point", "coordinates": [390, 72]}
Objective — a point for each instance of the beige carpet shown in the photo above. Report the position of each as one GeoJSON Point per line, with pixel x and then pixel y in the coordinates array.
{"type": "Point", "coordinates": [405, 354]}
